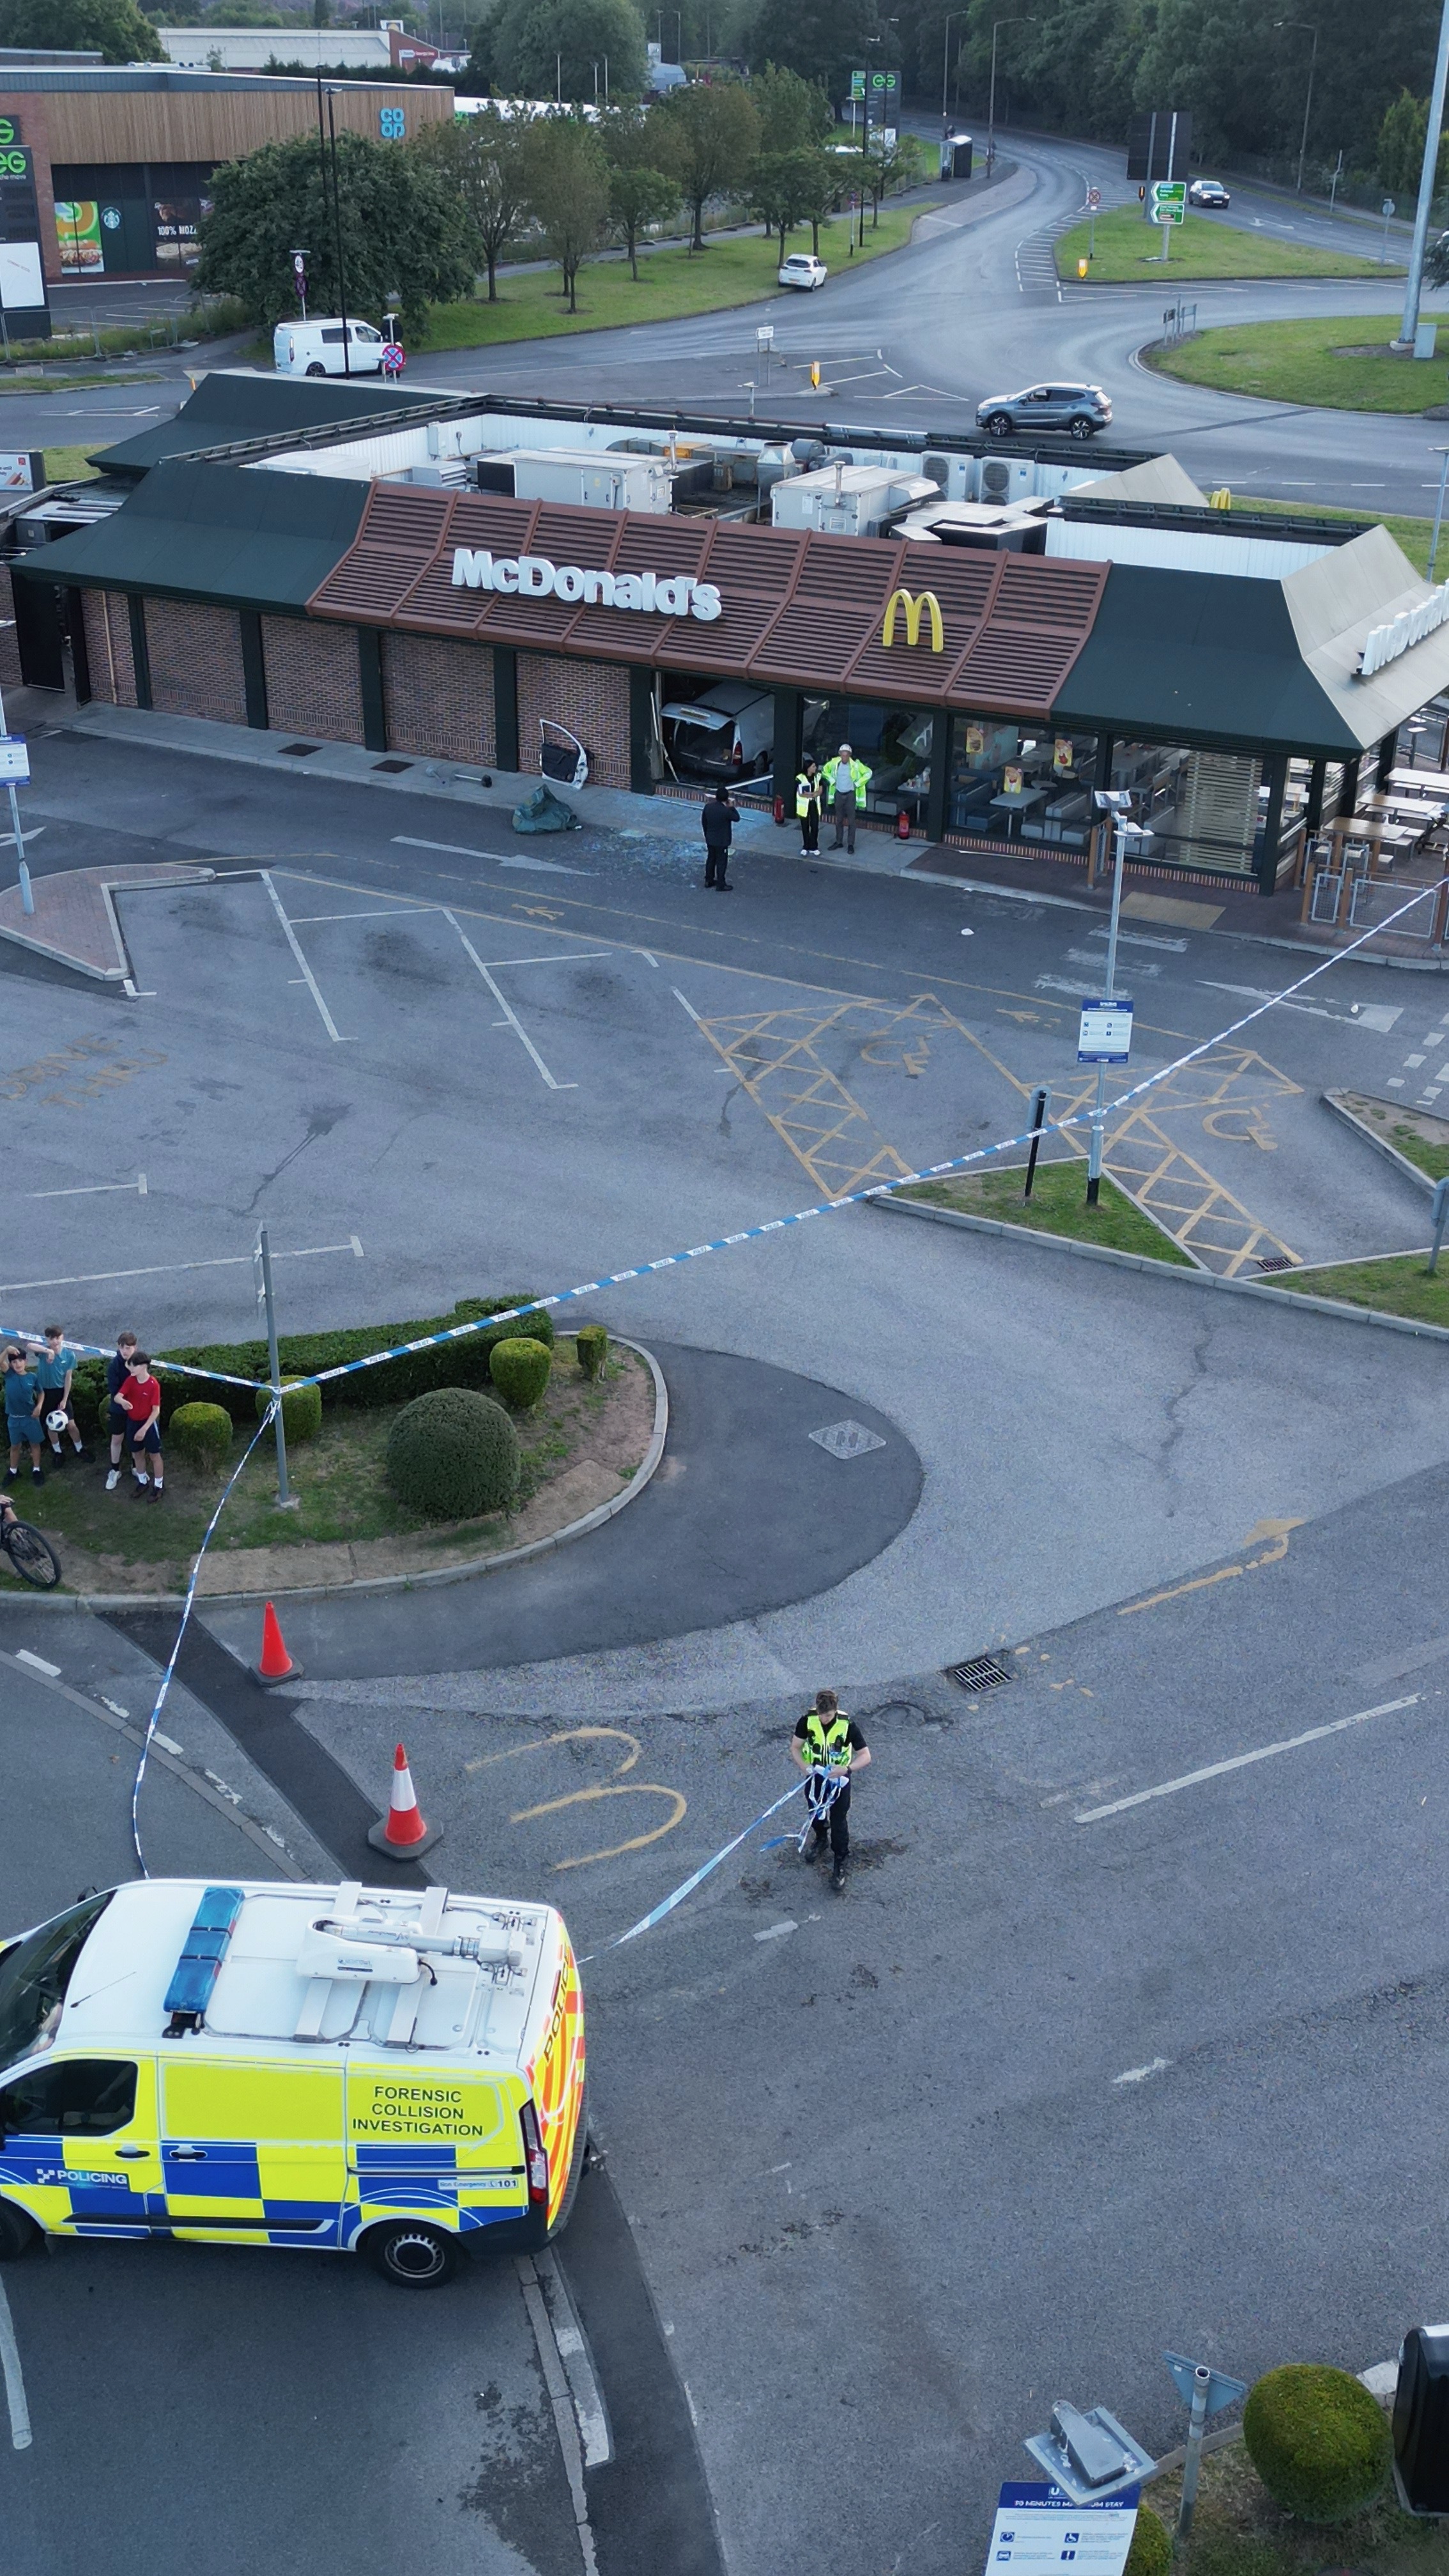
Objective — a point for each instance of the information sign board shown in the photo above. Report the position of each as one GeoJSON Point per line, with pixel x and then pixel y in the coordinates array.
{"type": "Point", "coordinates": [1040, 2532]}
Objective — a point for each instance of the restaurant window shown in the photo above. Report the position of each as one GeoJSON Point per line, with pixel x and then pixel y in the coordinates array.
{"type": "Point", "coordinates": [894, 743]}
{"type": "Point", "coordinates": [1016, 782]}
{"type": "Point", "coordinates": [1205, 809]}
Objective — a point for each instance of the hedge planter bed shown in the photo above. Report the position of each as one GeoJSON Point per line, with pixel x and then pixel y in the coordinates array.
{"type": "Point", "coordinates": [377, 1484]}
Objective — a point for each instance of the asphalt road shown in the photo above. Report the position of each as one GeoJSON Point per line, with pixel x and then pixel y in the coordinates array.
{"type": "Point", "coordinates": [972, 308]}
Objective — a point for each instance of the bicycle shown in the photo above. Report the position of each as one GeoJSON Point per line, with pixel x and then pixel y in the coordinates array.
{"type": "Point", "coordinates": [30, 1552]}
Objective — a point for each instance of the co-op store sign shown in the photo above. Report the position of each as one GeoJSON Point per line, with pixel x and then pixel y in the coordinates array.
{"type": "Point", "coordinates": [534, 577]}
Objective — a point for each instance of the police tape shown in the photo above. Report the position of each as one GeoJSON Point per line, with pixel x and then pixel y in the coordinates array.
{"type": "Point", "coordinates": [667, 1905]}
{"type": "Point", "coordinates": [776, 1225]}
{"type": "Point", "coordinates": [155, 1718]}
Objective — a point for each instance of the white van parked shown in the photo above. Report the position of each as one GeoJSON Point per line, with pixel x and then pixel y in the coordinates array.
{"type": "Point", "coordinates": [327, 348]}
{"type": "Point", "coordinates": [726, 732]}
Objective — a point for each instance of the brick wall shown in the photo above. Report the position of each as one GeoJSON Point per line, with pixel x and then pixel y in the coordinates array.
{"type": "Point", "coordinates": [439, 698]}
{"type": "Point", "coordinates": [108, 647]}
{"type": "Point", "coordinates": [195, 657]}
{"type": "Point", "coordinates": [313, 682]}
{"type": "Point", "coordinates": [591, 698]}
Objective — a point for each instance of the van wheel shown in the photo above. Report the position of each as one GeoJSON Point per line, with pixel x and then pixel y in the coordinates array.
{"type": "Point", "coordinates": [576, 2169]}
{"type": "Point", "coordinates": [412, 2255]}
{"type": "Point", "coordinates": [17, 2232]}
{"type": "Point", "coordinates": [316, 368]}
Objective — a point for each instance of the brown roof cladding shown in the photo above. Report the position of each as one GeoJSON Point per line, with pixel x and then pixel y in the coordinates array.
{"type": "Point", "coordinates": [805, 610]}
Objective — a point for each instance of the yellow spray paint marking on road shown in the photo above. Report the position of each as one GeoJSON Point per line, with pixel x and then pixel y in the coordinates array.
{"type": "Point", "coordinates": [1275, 1532]}
{"type": "Point", "coordinates": [617, 1788]}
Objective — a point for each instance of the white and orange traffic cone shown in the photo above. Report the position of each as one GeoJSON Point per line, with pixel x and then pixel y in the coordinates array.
{"type": "Point", "coordinates": [401, 1833]}
{"type": "Point", "coordinates": [276, 1664]}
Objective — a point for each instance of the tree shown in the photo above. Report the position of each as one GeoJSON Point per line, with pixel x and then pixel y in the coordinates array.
{"type": "Point", "coordinates": [480, 160]}
{"type": "Point", "coordinates": [825, 184]}
{"type": "Point", "coordinates": [794, 113]}
{"type": "Point", "coordinates": [640, 193]}
{"type": "Point", "coordinates": [568, 192]}
{"type": "Point", "coordinates": [712, 137]}
{"type": "Point", "coordinates": [547, 48]}
{"type": "Point", "coordinates": [1401, 149]}
{"type": "Point", "coordinates": [822, 40]}
{"type": "Point", "coordinates": [116, 29]}
{"type": "Point", "coordinates": [403, 233]}
{"type": "Point", "coordinates": [781, 186]}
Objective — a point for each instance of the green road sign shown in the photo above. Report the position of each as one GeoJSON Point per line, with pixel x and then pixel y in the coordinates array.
{"type": "Point", "coordinates": [857, 84]}
{"type": "Point", "coordinates": [1169, 200]}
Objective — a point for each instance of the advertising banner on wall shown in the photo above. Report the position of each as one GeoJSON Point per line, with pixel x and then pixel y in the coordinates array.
{"type": "Point", "coordinates": [78, 230]}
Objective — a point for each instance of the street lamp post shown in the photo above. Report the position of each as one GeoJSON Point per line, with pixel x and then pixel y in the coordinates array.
{"type": "Point", "coordinates": [1304, 29]}
{"type": "Point", "coordinates": [677, 15]}
{"type": "Point", "coordinates": [1113, 802]}
{"type": "Point", "coordinates": [1027, 21]}
{"type": "Point", "coordinates": [951, 16]}
{"type": "Point", "coordinates": [1427, 177]}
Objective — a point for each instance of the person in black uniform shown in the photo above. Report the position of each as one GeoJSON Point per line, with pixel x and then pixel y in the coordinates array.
{"type": "Point", "coordinates": [829, 1748]}
{"type": "Point", "coordinates": [719, 818]}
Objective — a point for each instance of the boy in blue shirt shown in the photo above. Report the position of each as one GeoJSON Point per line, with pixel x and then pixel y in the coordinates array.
{"type": "Point", "coordinates": [23, 1402]}
{"type": "Point", "coordinates": [55, 1370]}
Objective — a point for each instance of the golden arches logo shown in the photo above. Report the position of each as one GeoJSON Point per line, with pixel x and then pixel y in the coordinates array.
{"type": "Point", "coordinates": [914, 610]}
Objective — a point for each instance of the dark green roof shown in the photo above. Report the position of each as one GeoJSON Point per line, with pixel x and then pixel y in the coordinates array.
{"type": "Point", "coordinates": [1178, 656]}
{"type": "Point", "coordinates": [226, 407]}
{"type": "Point", "coordinates": [246, 538]}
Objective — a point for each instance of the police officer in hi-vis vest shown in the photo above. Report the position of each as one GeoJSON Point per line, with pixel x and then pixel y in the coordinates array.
{"type": "Point", "coordinates": [829, 1747]}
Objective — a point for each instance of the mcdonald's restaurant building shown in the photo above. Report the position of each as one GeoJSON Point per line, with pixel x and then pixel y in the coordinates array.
{"type": "Point", "coordinates": [1232, 677]}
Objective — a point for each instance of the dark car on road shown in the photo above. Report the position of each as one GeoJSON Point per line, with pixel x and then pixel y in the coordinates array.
{"type": "Point", "coordinates": [1080, 410]}
{"type": "Point", "coordinates": [1208, 192]}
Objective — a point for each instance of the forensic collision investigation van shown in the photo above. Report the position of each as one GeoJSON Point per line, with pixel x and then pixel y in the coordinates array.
{"type": "Point", "coordinates": [397, 2073]}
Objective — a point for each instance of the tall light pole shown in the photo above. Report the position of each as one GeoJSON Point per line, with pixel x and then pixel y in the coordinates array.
{"type": "Point", "coordinates": [1414, 287]}
{"type": "Point", "coordinates": [1303, 29]}
{"type": "Point", "coordinates": [951, 16]}
{"type": "Point", "coordinates": [1027, 21]}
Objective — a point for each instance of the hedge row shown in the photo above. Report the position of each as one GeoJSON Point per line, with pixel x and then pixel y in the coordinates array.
{"type": "Point", "coordinates": [463, 1363]}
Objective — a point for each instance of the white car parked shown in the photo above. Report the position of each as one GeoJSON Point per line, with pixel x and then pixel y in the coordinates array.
{"type": "Point", "coordinates": [802, 268]}
{"type": "Point", "coordinates": [327, 348]}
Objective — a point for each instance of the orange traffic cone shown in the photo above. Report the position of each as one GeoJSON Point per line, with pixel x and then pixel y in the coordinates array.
{"type": "Point", "coordinates": [276, 1664]}
{"type": "Point", "coordinates": [401, 1833]}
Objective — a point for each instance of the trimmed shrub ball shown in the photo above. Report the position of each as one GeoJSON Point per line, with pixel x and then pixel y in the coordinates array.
{"type": "Point", "coordinates": [301, 1410]}
{"type": "Point", "coordinates": [453, 1454]}
{"type": "Point", "coordinates": [1151, 2550]}
{"type": "Point", "coordinates": [1319, 2442]}
{"type": "Point", "coordinates": [593, 1349]}
{"type": "Point", "coordinates": [200, 1433]}
{"type": "Point", "coordinates": [519, 1369]}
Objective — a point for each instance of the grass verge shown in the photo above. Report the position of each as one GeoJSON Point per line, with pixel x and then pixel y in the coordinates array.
{"type": "Point", "coordinates": [1414, 535]}
{"type": "Point", "coordinates": [1239, 2531]}
{"type": "Point", "coordinates": [742, 270]}
{"type": "Point", "coordinates": [68, 464]}
{"type": "Point", "coordinates": [1342, 363]}
{"type": "Point", "coordinates": [1057, 1206]}
{"type": "Point", "coordinates": [1202, 246]}
{"type": "Point", "coordinates": [1422, 1139]}
{"type": "Point", "coordinates": [1398, 1284]}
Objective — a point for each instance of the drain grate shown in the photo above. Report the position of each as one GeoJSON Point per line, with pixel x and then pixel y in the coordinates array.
{"type": "Point", "coordinates": [393, 767]}
{"type": "Point", "coordinates": [983, 1673]}
{"type": "Point", "coordinates": [299, 750]}
{"type": "Point", "coordinates": [1276, 1261]}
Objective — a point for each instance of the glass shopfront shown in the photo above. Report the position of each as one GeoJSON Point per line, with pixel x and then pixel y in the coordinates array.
{"type": "Point", "coordinates": [894, 743]}
{"type": "Point", "coordinates": [1018, 783]}
{"type": "Point", "coordinates": [1204, 809]}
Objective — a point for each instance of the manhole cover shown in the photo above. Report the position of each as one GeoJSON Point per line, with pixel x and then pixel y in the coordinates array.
{"type": "Point", "coordinates": [983, 1673]}
{"type": "Point", "coordinates": [847, 1439]}
{"type": "Point", "coordinates": [394, 767]}
{"type": "Point", "coordinates": [1276, 1261]}
{"type": "Point", "coordinates": [299, 750]}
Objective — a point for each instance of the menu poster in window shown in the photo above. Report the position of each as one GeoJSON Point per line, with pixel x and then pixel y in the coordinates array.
{"type": "Point", "coordinates": [1011, 779]}
{"type": "Point", "coordinates": [178, 222]}
{"type": "Point", "coordinates": [975, 741]}
{"type": "Point", "coordinates": [1062, 756]}
{"type": "Point", "coordinates": [78, 229]}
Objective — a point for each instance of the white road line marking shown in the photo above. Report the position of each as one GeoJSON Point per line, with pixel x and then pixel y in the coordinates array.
{"type": "Point", "coordinates": [95, 1189]}
{"type": "Point", "coordinates": [500, 858]}
{"type": "Point", "coordinates": [1240, 1761]}
{"type": "Point", "coordinates": [689, 1006]}
{"type": "Point", "coordinates": [776, 1931]}
{"type": "Point", "coordinates": [1091, 957]}
{"type": "Point", "coordinates": [1413, 1062]}
{"type": "Point", "coordinates": [357, 1250]}
{"type": "Point", "coordinates": [308, 978]}
{"type": "Point", "coordinates": [173, 1269]}
{"type": "Point", "coordinates": [1140, 939]}
{"type": "Point", "coordinates": [564, 957]}
{"type": "Point", "coordinates": [378, 912]}
{"type": "Point", "coordinates": [1139, 2074]}
{"type": "Point", "coordinates": [20, 2433]}
{"type": "Point", "coordinates": [648, 960]}
{"type": "Point", "coordinates": [1379, 1016]}
{"type": "Point", "coordinates": [1066, 984]}
{"type": "Point", "coordinates": [23, 1655]}
{"type": "Point", "coordinates": [514, 1022]}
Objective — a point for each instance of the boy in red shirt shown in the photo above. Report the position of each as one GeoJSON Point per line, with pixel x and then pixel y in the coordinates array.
{"type": "Point", "coordinates": [139, 1396]}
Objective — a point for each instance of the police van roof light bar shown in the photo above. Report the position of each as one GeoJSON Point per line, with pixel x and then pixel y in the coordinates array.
{"type": "Point", "coordinates": [200, 1963]}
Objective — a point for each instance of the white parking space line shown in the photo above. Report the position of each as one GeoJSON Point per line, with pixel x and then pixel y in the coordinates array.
{"type": "Point", "coordinates": [689, 1006]}
{"type": "Point", "coordinates": [378, 912]}
{"type": "Point", "coordinates": [96, 1189]}
{"type": "Point", "coordinates": [506, 1007]}
{"type": "Point", "coordinates": [173, 1269]}
{"type": "Point", "coordinates": [1241, 1761]}
{"type": "Point", "coordinates": [308, 978]}
{"type": "Point", "coordinates": [20, 2433]}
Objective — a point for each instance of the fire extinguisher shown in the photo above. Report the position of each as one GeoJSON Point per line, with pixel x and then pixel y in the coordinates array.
{"type": "Point", "coordinates": [903, 824]}
{"type": "Point", "coordinates": [779, 807]}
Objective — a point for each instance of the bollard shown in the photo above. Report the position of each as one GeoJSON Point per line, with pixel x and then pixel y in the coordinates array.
{"type": "Point", "coordinates": [1201, 2380]}
{"type": "Point", "coordinates": [1440, 1214]}
{"type": "Point", "coordinates": [1038, 1118]}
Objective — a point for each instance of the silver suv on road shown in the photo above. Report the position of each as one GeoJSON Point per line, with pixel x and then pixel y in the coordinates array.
{"type": "Point", "coordinates": [1080, 410]}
